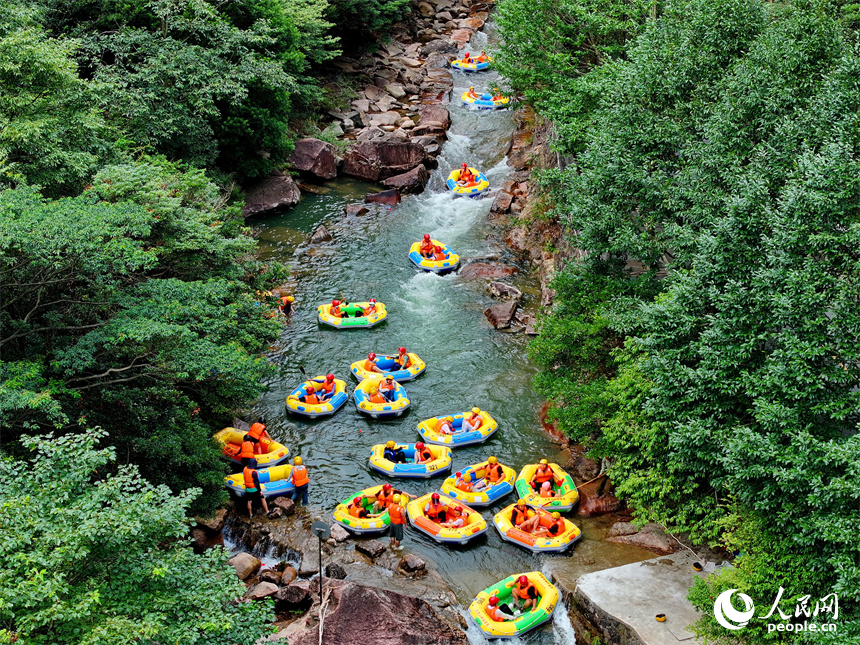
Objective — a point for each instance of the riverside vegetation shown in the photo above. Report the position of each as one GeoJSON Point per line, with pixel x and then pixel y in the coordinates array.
{"type": "Point", "coordinates": [707, 342]}
{"type": "Point", "coordinates": [129, 294]}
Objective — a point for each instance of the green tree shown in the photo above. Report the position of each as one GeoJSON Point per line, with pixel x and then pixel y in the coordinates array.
{"type": "Point", "coordinates": [93, 558]}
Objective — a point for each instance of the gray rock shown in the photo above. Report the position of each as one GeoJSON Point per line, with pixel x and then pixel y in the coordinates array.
{"type": "Point", "coordinates": [262, 590]}
{"type": "Point", "coordinates": [271, 195]}
{"type": "Point", "coordinates": [354, 210]}
{"type": "Point", "coordinates": [276, 513]}
{"type": "Point", "coordinates": [295, 593]}
{"type": "Point", "coordinates": [650, 537]}
{"type": "Point", "coordinates": [444, 16]}
{"type": "Point", "coordinates": [504, 291]}
{"type": "Point", "coordinates": [315, 157]}
{"type": "Point", "coordinates": [622, 528]}
{"type": "Point", "coordinates": [426, 10]}
{"type": "Point", "coordinates": [411, 563]}
{"type": "Point", "coordinates": [270, 575]}
{"type": "Point", "coordinates": [501, 315]}
{"type": "Point", "coordinates": [335, 571]}
{"type": "Point", "coordinates": [441, 46]}
{"type": "Point", "coordinates": [245, 565]}
{"type": "Point", "coordinates": [396, 90]}
{"type": "Point", "coordinates": [386, 118]}
{"type": "Point", "coordinates": [339, 533]}
{"type": "Point", "coordinates": [373, 93]}
{"type": "Point", "coordinates": [285, 504]}
{"type": "Point", "coordinates": [375, 160]}
{"type": "Point", "coordinates": [371, 548]}
{"type": "Point", "coordinates": [412, 181]}
{"type": "Point", "coordinates": [320, 235]}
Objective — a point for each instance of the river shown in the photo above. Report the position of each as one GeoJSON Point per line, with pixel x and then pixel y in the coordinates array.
{"type": "Point", "coordinates": [441, 319]}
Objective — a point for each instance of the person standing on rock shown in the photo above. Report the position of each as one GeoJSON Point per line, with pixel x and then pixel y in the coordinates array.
{"type": "Point", "coordinates": [253, 490]}
{"type": "Point", "coordinates": [398, 519]}
{"type": "Point", "coordinates": [301, 481]}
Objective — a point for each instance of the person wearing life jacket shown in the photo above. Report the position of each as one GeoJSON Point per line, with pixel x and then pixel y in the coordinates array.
{"type": "Point", "coordinates": [402, 361]}
{"type": "Point", "coordinates": [436, 510]}
{"type": "Point", "coordinates": [388, 388]}
{"type": "Point", "coordinates": [553, 530]}
{"type": "Point", "coordinates": [524, 591]}
{"type": "Point", "coordinates": [247, 451]}
{"type": "Point", "coordinates": [356, 508]}
{"type": "Point", "coordinates": [494, 473]}
{"type": "Point", "coordinates": [398, 518]}
{"type": "Point", "coordinates": [467, 58]}
{"type": "Point", "coordinates": [524, 518]}
{"type": "Point", "coordinates": [546, 490]}
{"type": "Point", "coordinates": [334, 310]}
{"type": "Point", "coordinates": [462, 484]}
{"type": "Point", "coordinates": [483, 58]}
{"type": "Point", "coordinates": [286, 305]}
{"type": "Point", "coordinates": [465, 178]}
{"type": "Point", "coordinates": [426, 246]}
{"type": "Point", "coordinates": [301, 481]}
{"type": "Point", "coordinates": [370, 308]}
{"type": "Point", "coordinates": [327, 388]}
{"type": "Point", "coordinates": [456, 518]}
{"type": "Point", "coordinates": [370, 364]}
{"type": "Point", "coordinates": [253, 490]}
{"type": "Point", "coordinates": [394, 453]}
{"type": "Point", "coordinates": [474, 422]}
{"type": "Point", "coordinates": [439, 255]}
{"type": "Point", "coordinates": [310, 396]}
{"type": "Point", "coordinates": [543, 473]}
{"type": "Point", "coordinates": [495, 613]}
{"type": "Point", "coordinates": [384, 497]}
{"type": "Point", "coordinates": [258, 432]}
{"type": "Point", "coordinates": [374, 396]}
{"type": "Point", "coordinates": [445, 425]}
{"type": "Point", "coordinates": [422, 453]}
{"type": "Point", "coordinates": [472, 93]}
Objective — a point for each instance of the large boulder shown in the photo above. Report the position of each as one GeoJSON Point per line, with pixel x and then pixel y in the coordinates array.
{"type": "Point", "coordinates": [477, 270]}
{"type": "Point", "coordinates": [339, 533]}
{"type": "Point", "coordinates": [371, 548]}
{"type": "Point", "coordinates": [271, 195]}
{"type": "Point", "coordinates": [361, 615]}
{"type": "Point", "coordinates": [320, 235]}
{"type": "Point", "coordinates": [650, 537]}
{"type": "Point", "coordinates": [412, 181]}
{"type": "Point", "coordinates": [315, 157]}
{"type": "Point", "coordinates": [287, 505]}
{"type": "Point", "coordinates": [504, 291]}
{"type": "Point", "coordinates": [435, 114]}
{"type": "Point", "coordinates": [376, 160]}
{"type": "Point", "coordinates": [390, 197]}
{"type": "Point", "coordinates": [294, 595]}
{"type": "Point", "coordinates": [245, 565]}
{"type": "Point", "coordinates": [501, 315]}
{"type": "Point", "coordinates": [262, 590]}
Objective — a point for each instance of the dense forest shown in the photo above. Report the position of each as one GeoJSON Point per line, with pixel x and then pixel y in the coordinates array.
{"type": "Point", "coordinates": [132, 300]}
{"type": "Point", "coordinates": [707, 343]}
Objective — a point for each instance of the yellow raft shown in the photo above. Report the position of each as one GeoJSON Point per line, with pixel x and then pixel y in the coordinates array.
{"type": "Point", "coordinates": [474, 525]}
{"type": "Point", "coordinates": [566, 538]}
{"type": "Point", "coordinates": [471, 67]}
{"type": "Point", "coordinates": [441, 462]}
{"type": "Point", "coordinates": [360, 525]}
{"type": "Point", "coordinates": [385, 410]}
{"type": "Point", "coordinates": [231, 444]}
{"type": "Point", "coordinates": [475, 190]}
{"type": "Point", "coordinates": [484, 101]}
{"type": "Point", "coordinates": [352, 322]}
{"type": "Point", "coordinates": [427, 430]}
{"type": "Point", "coordinates": [274, 481]}
{"type": "Point", "coordinates": [484, 497]}
{"type": "Point", "coordinates": [386, 364]}
{"type": "Point", "coordinates": [547, 593]}
{"type": "Point", "coordinates": [451, 261]}
{"type": "Point", "coordinates": [567, 497]}
{"type": "Point", "coordinates": [314, 410]}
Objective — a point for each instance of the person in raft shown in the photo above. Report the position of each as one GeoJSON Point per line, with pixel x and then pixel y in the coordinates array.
{"type": "Point", "coordinates": [374, 396]}
{"type": "Point", "coordinates": [351, 311]}
{"type": "Point", "coordinates": [439, 255]}
{"type": "Point", "coordinates": [334, 309]}
{"type": "Point", "coordinates": [467, 58]}
{"type": "Point", "coordinates": [253, 491]}
{"type": "Point", "coordinates": [553, 530]}
{"type": "Point", "coordinates": [300, 479]}
{"type": "Point", "coordinates": [246, 453]}
{"type": "Point", "coordinates": [474, 422]}
{"type": "Point", "coordinates": [445, 425]}
{"type": "Point", "coordinates": [456, 519]}
{"type": "Point", "coordinates": [472, 93]}
{"type": "Point", "coordinates": [398, 518]}
{"type": "Point", "coordinates": [543, 473]}
{"type": "Point", "coordinates": [258, 432]}
{"type": "Point", "coordinates": [468, 487]}
{"type": "Point", "coordinates": [327, 388]}
{"type": "Point", "coordinates": [402, 361]}
{"type": "Point", "coordinates": [426, 249]}
{"type": "Point", "coordinates": [356, 509]}
{"type": "Point", "coordinates": [525, 592]}
{"type": "Point", "coordinates": [422, 453]}
{"type": "Point", "coordinates": [388, 388]}
{"type": "Point", "coordinates": [310, 396]}
{"type": "Point", "coordinates": [386, 495]}
{"type": "Point", "coordinates": [435, 510]}
{"type": "Point", "coordinates": [466, 177]}
{"type": "Point", "coordinates": [547, 491]}
{"type": "Point", "coordinates": [370, 364]}
{"type": "Point", "coordinates": [394, 453]}
{"type": "Point", "coordinates": [522, 520]}
{"type": "Point", "coordinates": [483, 58]}
{"type": "Point", "coordinates": [370, 308]}
{"type": "Point", "coordinates": [495, 612]}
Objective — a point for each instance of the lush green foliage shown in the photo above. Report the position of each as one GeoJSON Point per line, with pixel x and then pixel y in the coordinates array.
{"type": "Point", "coordinates": [99, 558]}
{"type": "Point", "coordinates": [723, 154]}
{"type": "Point", "coordinates": [131, 306]}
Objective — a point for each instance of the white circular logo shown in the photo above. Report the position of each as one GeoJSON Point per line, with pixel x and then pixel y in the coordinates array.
{"type": "Point", "coordinates": [724, 611]}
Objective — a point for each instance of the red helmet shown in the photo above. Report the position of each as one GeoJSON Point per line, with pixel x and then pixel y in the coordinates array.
{"type": "Point", "coordinates": [438, 249]}
{"type": "Point", "coordinates": [357, 500]}
{"type": "Point", "coordinates": [523, 580]}
{"type": "Point", "coordinates": [335, 303]}
{"type": "Point", "coordinates": [434, 496]}
{"type": "Point", "coordinates": [373, 300]}
{"type": "Point", "coordinates": [311, 389]}
{"type": "Point", "coordinates": [427, 236]}
{"type": "Point", "coordinates": [402, 350]}
{"type": "Point", "coordinates": [420, 445]}
{"type": "Point", "coordinates": [465, 165]}
{"type": "Point", "coordinates": [371, 356]}
{"type": "Point", "coordinates": [459, 474]}
{"type": "Point", "coordinates": [386, 487]}
{"type": "Point", "coordinates": [493, 601]}
{"type": "Point", "coordinates": [329, 377]}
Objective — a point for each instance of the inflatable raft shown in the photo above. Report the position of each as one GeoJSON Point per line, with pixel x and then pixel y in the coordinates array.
{"type": "Point", "coordinates": [352, 322]}
{"type": "Point", "coordinates": [427, 430]}
{"type": "Point", "coordinates": [547, 593]}
{"type": "Point", "coordinates": [380, 410]}
{"type": "Point", "coordinates": [477, 189]}
{"type": "Point", "coordinates": [567, 498]}
{"type": "Point", "coordinates": [231, 444]}
{"type": "Point", "coordinates": [315, 410]}
{"type": "Point", "coordinates": [470, 67]}
{"type": "Point", "coordinates": [567, 537]}
{"type": "Point", "coordinates": [441, 462]}
{"type": "Point", "coordinates": [485, 101]}
{"type": "Point", "coordinates": [474, 525]}
{"type": "Point", "coordinates": [483, 497]}
{"type": "Point", "coordinates": [451, 261]}
{"type": "Point", "coordinates": [359, 525]}
{"type": "Point", "coordinates": [274, 481]}
{"type": "Point", "coordinates": [386, 364]}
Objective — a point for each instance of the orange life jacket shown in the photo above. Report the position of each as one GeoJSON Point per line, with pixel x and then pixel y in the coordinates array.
{"type": "Point", "coordinates": [369, 365]}
{"type": "Point", "coordinates": [334, 311]}
{"type": "Point", "coordinates": [404, 360]}
{"type": "Point", "coordinates": [247, 450]}
{"type": "Point", "coordinates": [518, 516]}
{"type": "Point", "coordinates": [248, 474]}
{"type": "Point", "coordinates": [300, 476]}
{"type": "Point", "coordinates": [556, 527]}
{"type": "Point", "coordinates": [465, 486]}
{"type": "Point", "coordinates": [547, 493]}
{"type": "Point", "coordinates": [477, 422]}
{"type": "Point", "coordinates": [427, 247]}
{"type": "Point", "coordinates": [425, 455]}
{"type": "Point", "coordinates": [439, 424]}
{"type": "Point", "coordinates": [494, 612]}
{"type": "Point", "coordinates": [376, 398]}
{"type": "Point", "coordinates": [257, 430]}
{"type": "Point", "coordinates": [369, 310]}
{"type": "Point", "coordinates": [386, 386]}
{"type": "Point", "coordinates": [439, 257]}
{"type": "Point", "coordinates": [312, 399]}
{"type": "Point", "coordinates": [495, 473]}
{"type": "Point", "coordinates": [384, 499]}
{"type": "Point", "coordinates": [543, 474]}
{"type": "Point", "coordinates": [327, 386]}
{"type": "Point", "coordinates": [434, 510]}
{"type": "Point", "coordinates": [355, 510]}
{"type": "Point", "coordinates": [397, 514]}
{"type": "Point", "coordinates": [527, 590]}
